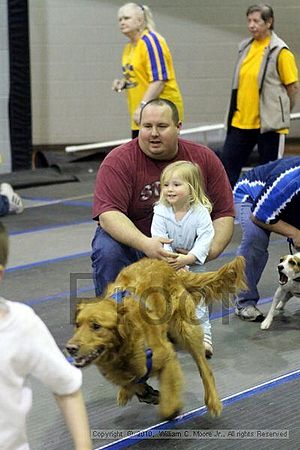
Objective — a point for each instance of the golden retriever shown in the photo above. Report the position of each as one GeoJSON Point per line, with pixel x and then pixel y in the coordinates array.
{"type": "Point", "coordinates": [131, 330]}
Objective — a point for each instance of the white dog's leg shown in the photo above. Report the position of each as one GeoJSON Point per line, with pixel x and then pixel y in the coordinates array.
{"type": "Point", "coordinates": [279, 300]}
{"type": "Point", "coordinates": [269, 319]}
{"type": "Point", "coordinates": [282, 302]}
{"type": "Point", "coordinates": [281, 305]}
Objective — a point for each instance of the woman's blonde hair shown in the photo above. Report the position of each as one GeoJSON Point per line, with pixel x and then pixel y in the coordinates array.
{"type": "Point", "coordinates": [191, 174]}
{"type": "Point", "coordinates": [144, 12]}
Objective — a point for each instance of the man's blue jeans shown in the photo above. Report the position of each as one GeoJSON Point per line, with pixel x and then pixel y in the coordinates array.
{"type": "Point", "coordinates": [108, 259]}
{"type": "Point", "coordinates": [254, 248]}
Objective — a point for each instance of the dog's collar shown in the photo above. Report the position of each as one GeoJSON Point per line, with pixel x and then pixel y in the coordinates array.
{"type": "Point", "coordinates": [149, 354]}
{"type": "Point", "coordinates": [119, 295]}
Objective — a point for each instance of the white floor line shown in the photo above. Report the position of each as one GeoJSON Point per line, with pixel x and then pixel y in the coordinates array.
{"type": "Point", "coordinates": [185, 416]}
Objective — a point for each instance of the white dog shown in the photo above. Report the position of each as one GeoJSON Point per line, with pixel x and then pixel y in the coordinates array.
{"type": "Point", "coordinates": [289, 285]}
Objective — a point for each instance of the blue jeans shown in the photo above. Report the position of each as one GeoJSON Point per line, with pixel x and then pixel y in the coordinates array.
{"type": "Point", "coordinates": [108, 259]}
{"type": "Point", "coordinates": [254, 248]}
{"type": "Point", "coordinates": [4, 205]}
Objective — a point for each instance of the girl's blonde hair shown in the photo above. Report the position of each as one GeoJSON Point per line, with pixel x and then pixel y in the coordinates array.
{"type": "Point", "coordinates": [191, 174]}
{"type": "Point", "coordinates": [145, 13]}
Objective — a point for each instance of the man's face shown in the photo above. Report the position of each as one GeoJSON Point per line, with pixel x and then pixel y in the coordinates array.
{"type": "Point", "coordinates": [257, 26]}
{"type": "Point", "coordinates": [158, 135]}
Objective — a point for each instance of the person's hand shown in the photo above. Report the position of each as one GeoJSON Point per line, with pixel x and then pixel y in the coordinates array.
{"type": "Point", "coordinates": [179, 262]}
{"type": "Point", "coordinates": [182, 251]}
{"type": "Point", "coordinates": [137, 115]}
{"type": "Point", "coordinates": [296, 240]}
{"type": "Point", "coordinates": [153, 248]}
{"type": "Point", "coordinates": [118, 85]}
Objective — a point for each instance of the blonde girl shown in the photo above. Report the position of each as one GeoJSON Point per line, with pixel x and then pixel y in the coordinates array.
{"type": "Point", "coordinates": [183, 215]}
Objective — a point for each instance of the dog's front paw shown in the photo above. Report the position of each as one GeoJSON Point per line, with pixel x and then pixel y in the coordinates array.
{"type": "Point", "coordinates": [123, 397]}
{"type": "Point", "coordinates": [214, 406]}
{"type": "Point", "coordinates": [265, 324]}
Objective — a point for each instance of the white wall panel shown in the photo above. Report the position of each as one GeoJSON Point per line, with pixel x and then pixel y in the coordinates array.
{"type": "Point", "coordinates": [76, 51]}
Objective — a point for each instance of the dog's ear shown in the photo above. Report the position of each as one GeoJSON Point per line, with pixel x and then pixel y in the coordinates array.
{"type": "Point", "coordinates": [125, 324]}
{"type": "Point", "coordinates": [80, 307]}
{"type": "Point", "coordinates": [85, 302]}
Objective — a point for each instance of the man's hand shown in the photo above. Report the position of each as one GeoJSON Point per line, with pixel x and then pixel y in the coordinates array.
{"type": "Point", "coordinates": [153, 248]}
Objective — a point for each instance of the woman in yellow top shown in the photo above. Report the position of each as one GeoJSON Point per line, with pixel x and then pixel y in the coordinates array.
{"type": "Point", "coordinates": [147, 64]}
{"type": "Point", "coordinates": [265, 85]}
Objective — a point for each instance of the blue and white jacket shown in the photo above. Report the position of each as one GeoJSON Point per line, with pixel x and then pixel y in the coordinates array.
{"type": "Point", "coordinates": [274, 191]}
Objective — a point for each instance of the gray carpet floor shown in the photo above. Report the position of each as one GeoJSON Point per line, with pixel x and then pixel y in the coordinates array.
{"type": "Point", "coordinates": [50, 245]}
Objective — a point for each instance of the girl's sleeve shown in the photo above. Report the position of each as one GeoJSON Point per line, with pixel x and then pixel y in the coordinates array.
{"type": "Point", "coordinates": [205, 234]}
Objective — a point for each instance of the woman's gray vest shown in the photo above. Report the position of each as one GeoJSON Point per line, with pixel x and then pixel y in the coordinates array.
{"type": "Point", "coordinates": [274, 103]}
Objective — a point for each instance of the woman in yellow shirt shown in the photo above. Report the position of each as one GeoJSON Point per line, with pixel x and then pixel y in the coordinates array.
{"type": "Point", "coordinates": [265, 85]}
{"type": "Point", "coordinates": [147, 63]}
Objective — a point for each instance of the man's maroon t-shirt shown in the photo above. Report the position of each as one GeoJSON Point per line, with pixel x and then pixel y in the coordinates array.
{"type": "Point", "coordinates": [128, 181]}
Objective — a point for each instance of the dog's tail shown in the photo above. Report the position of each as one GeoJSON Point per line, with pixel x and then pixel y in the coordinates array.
{"type": "Point", "coordinates": [221, 284]}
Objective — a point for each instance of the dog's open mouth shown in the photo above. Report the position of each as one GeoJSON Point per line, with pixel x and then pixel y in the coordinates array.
{"type": "Point", "coordinates": [283, 279]}
{"type": "Point", "coordinates": [82, 361]}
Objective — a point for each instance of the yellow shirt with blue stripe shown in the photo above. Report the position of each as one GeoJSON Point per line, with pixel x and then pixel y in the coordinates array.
{"type": "Point", "coordinates": [149, 60]}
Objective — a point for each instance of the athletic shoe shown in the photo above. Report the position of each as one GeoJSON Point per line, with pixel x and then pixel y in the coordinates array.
{"type": "Point", "coordinates": [250, 313]}
{"type": "Point", "coordinates": [14, 200]}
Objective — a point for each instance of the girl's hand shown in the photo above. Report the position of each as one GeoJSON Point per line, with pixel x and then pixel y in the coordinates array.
{"type": "Point", "coordinates": [179, 262]}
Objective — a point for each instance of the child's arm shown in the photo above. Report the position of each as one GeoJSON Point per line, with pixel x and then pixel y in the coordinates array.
{"type": "Point", "coordinates": [75, 415]}
{"type": "Point", "coordinates": [205, 234]}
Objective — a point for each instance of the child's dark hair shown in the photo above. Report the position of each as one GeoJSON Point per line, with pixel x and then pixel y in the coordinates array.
{"type": "Point", "coordinates": [3, 246]}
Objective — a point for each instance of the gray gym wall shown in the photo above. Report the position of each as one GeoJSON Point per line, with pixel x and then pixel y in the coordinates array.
{"type": "Point", "coordinates": [76, 51]}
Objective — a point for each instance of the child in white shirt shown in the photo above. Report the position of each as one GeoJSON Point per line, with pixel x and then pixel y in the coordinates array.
{"type": "Point", "coordinates": [183, 215]}
{"type": "Point", "coordinates": [28, 348]}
